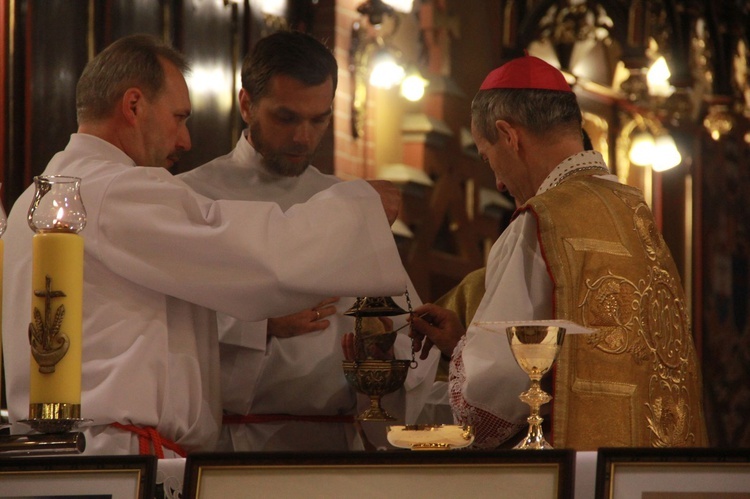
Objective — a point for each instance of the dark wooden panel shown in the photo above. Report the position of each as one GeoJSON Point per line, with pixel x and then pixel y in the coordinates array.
{"type": "Point", "coordinates": [723, 182]}
{"type": "Point", "coordinates": [3, 96]}
{"type": "Point", "coordinates": [14, 180]}
{"type": "Point", "coordinates": [319, 20]}
{"type": "Point", "coordinates": [207, 34]}
{"type": "Point", "coordinates": [55, 57]}
{"type": "Point", "coordinates": [125, 17]}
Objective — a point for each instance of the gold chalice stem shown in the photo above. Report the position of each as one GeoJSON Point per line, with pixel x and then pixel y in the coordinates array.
{"type": "Point", "coordinates": [535, 397]}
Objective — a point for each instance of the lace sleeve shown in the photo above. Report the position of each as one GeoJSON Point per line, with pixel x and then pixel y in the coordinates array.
{"type": "Point", "coordinates": [490, 431]}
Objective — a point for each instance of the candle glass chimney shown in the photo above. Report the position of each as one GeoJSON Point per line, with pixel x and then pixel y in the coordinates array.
{"type": "Point", "coordinates": [57, 205]}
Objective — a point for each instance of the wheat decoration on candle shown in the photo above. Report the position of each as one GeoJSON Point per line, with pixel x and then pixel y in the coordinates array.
{"type": "Point", "coordinates": [56, 216]}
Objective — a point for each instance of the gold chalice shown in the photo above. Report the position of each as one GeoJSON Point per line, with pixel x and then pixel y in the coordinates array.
{"type": "Point", "coordinates": [535, 348]}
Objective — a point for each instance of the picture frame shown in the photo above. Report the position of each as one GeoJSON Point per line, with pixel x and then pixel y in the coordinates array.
{"type": "Point", "coordinates": [672, 473]}
{"type": "Point", "coordinates": [457, 473]}
{"type": "Point", "coordinates": [112, 477]}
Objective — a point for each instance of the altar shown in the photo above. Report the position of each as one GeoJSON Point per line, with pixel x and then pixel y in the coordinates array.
{"type": "Point", "coordinates": [558, 473]}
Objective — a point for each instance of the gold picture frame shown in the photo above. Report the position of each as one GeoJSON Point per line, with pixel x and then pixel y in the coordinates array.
{"type": "Point", "coordinates": [672, 473]}
{"type": "Point", "coordinates": [115, 477]}
{"type": "Point", "coordinates": [459, 473]}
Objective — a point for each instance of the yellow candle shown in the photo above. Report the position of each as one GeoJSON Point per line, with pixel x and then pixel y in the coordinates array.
{"type": "Point", "coordinates": [2, 249]}
{"type": "Point", "coordinates": [56, 323]}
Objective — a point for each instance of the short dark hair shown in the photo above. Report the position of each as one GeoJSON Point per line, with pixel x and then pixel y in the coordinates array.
{"type": "Point", "coordinates": [131, 61]}
{"type": "Point", "coordinates": [291, 53]}
{"type": "Point", "coordinates": [540, 111]}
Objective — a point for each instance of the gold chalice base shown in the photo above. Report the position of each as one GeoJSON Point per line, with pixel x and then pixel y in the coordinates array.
{"type": "Point", "coordinates": [376, 378]}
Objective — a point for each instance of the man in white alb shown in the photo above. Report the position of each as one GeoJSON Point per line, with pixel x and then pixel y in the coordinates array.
{"type": "Point", "coordinates": [283, 386]}
{"type": "Point", "coordinates": [160, 258]}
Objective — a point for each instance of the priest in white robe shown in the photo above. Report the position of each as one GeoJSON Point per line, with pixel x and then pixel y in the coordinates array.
{"type": "Point", "coordinates": [160, 258]}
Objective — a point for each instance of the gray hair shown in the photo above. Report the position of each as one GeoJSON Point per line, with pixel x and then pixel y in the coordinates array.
{"type": "Point", "coordinates": [132, 61]}
{"type": "Point", "coordinates": [539, 111]}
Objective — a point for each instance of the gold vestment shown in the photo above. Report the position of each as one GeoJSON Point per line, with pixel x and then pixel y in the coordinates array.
{"type": "Point", "coordinates": [463, 299]}
{"type": "Point", "coordinates": [635, 381]}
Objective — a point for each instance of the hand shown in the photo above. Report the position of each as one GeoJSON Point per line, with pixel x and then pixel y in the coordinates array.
{"type": "Point", "coordinates": [435, 326]}
{"type": "Point", "coordinates": [306, 321]}
{"type": "Point", "coordinates": [390, 196]}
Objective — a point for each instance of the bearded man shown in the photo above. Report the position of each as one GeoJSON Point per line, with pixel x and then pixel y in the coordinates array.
{"type": "Point", "coordinates": [283, 386]}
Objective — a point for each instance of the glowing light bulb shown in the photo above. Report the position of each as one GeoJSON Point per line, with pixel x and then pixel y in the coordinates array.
{"type": "Point", "coordinates": [642, 149]}
{"type": "Point", "coordinates": [666, 154]}
{"type": "Point", "coordinates": [386, 72]}
{"type": "Point", "coordinates": [413, 87]}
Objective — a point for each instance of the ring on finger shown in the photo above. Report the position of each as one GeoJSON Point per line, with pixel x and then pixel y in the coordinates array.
{"type": "Point", "coordinates": [317, 314]}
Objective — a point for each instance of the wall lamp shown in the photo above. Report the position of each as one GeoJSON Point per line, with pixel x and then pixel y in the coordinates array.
{"type": "Point", "coordinates": [650, 144]}
{"type": "Point", "coordinates": [373, 61]}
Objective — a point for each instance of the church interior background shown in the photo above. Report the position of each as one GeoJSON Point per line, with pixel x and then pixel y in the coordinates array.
{"type": "Point", "coordinates": [663, 85]}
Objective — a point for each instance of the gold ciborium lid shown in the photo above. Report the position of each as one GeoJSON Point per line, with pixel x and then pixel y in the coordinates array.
{"type": "Point", "coordinates": [375, 306]}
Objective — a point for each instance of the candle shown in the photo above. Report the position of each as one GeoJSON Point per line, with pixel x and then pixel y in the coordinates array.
{"type": "Point", "coordinates": [2, 250]}
{"type": "Point", "coordinates": [56, 324]}
{"type": "Point", "coordinates": [55, 331]}
{"type": "Point", "coordinates": [3, 226]}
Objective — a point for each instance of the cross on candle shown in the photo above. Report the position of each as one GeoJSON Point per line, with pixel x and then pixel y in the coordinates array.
{"type": "Point", "coordinates": [48, 343]}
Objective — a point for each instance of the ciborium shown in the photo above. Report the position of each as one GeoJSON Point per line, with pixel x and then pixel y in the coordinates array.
{"type": "Point", "coordinates": [369, 375]}
{"type": "Point", "coordinates": [535, 348]}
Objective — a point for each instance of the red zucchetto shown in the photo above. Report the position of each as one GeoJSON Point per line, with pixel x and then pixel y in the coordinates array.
{"type": "Point", "coordinates": [526, 72]}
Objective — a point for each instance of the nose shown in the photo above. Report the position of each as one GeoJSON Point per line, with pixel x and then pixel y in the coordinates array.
{"type": "Point", "coordinates": [303, 133]}
{"type": "Point", "coordinates": [183, 139]}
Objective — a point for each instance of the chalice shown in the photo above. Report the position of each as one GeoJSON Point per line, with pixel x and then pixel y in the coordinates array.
{"type": "Point", "coordinates": [535, 348]}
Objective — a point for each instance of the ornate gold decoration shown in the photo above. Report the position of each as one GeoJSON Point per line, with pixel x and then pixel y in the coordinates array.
{"type": "Point", "coordinates": [648, 320]}
{"type": "Point", "coordinates": [701, 59]}
{"type": "Point", "coordinates": [48, 343]}
{"type": "Point", "coordinates": [376, 378]}
{"type": "Point", "coordinates": [369, 373]}
{"type": "Point", "coordinates": [742, 76]}
{"type": "Point", "coordinates": [565, 25]}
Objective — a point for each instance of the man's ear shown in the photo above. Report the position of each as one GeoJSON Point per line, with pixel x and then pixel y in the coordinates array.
{"type": "Point", "coordinates": [507, 134]}
{"type": "Point", "coordinates": [131, 105]}
{"type": "Point", "coordinates": [245, 105]}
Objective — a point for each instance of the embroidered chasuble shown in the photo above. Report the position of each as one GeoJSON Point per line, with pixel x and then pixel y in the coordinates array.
{"type": "Point", "coordinates": [635, 381]}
